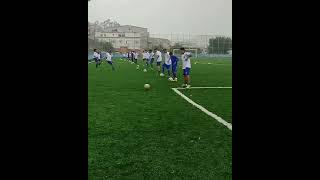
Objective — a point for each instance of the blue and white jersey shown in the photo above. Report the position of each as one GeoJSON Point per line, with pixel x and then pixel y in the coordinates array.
{"type": "Point", "coordinates": [144, 55]}
{"type": "Point", "coordinates": [109, 57]}
{"type": "Point", "coordinates": [167, 59]}
{"type": "Point", "coordinates": [151, 55]}
{"type": "Point", "coordinates": [147, 55]}
{"type": "Point", "coordinates": [136, 55]}
{"type": "Point", "coordinates": [185, 58]}
{"type": "Point", "coordinates": [95, 55]}
{"type": "Point", "coordinates": [158, 56]}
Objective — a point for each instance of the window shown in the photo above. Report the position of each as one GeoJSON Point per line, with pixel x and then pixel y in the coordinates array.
{"type": "Point", "coordinates": [120, 41]}
{"type": "Point", "coordinates": [126, 42]}
{"type": "Point", "coordinates": [137, 42]}
{"type": "Point", "coordinates": [101, 35]}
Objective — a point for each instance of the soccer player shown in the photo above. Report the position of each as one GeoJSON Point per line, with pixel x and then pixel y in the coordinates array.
{"type": "Point", "coordinates": [151, 58]}
{"type": "Point", "coordinates": [96, 57]}
{"type": "Point", "coordinates": [147, 56]}
{"type": "Point", "coordinates": [158, 58]}
{"type": "Point", "coordinates": [186, 66]}
{"type": "Point", "coordinates": [174, 62]}
{"type": "Point", "coordinates": [132, 56]}
{"type": "Point", "coordinates": [167, 62]}
{"type": "Point", "coordinates": [128, 55]}
{"type": "Point", "coordinates": [135, 57]}
{"type": "Point", "coordinates": [109, 59]}
{"type": "Point", "coordinates": [144, 56]}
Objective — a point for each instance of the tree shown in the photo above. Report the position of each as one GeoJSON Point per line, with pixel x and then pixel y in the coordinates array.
{"type": "Point", "coordinates": [176, 46]}
{"type": "Point", "coordinates": [105, 46]}
{"type": "Point", "coordinates": [220, 45]}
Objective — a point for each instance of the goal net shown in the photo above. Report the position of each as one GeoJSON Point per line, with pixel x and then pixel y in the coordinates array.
{"type": "Point", "coordinates": [194, 52]}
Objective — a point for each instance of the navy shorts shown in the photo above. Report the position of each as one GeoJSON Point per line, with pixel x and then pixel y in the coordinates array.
{"type": "Point", "coordinates": [186, 71]}
{"type": "Point", "coordinates": [109, 62]}
{"type": "Point", "coordinates": [166, 65]}
{"type": "Point", "coordinates": [158, 63]}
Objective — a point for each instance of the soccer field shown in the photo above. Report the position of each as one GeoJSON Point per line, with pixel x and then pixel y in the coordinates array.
{"type": "Point", "coordinates": [157, 134]}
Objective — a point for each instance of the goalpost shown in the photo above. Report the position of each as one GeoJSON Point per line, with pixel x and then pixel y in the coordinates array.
{"type": "Point", "coordinates": [193, 51]}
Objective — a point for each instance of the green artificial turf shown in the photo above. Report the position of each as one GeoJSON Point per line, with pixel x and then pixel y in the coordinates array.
{"type": "Point", "coordinates": [156, 134]}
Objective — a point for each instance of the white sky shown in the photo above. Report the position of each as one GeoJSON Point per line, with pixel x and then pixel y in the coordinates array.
{"type": "Point", "coordinates": [167, 16]}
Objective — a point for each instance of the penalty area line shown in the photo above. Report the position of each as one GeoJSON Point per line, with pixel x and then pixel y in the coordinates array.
{"type": "Point", "coordinates": [219, 119]}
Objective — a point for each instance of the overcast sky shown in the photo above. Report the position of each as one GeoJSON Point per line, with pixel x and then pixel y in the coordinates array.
{"type": "Point", "coordinates": [167, 16]}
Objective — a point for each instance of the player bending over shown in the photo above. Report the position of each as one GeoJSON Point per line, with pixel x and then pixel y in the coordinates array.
{"type": "Point", "coordinates": [186, 66]}
{"type": "Point", "coordinates": [158, 58]}
{"type": "Point", "coordinates": [174, 62]}
{"type": "Point", "coordinates": [167, 62]}
{"type": "Point", "coordinates": [109, 59]}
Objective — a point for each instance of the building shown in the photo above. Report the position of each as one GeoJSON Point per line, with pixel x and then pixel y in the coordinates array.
{"type": "Point", "coordinates": [156, 42]}
{"type": "Point", "coordinates": [125, 37]}
{"type": "Point", "coordinates": [121, 40]}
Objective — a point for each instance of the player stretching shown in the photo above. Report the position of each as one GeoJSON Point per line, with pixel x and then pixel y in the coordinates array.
{"type": "Point", "coordinates": [167, 62]}
{"type": "Point", "coordinates": [109, 59]}
{"type": "Point", "coordinates": [96, 57]}
{"type": "Point", "coordinates": [186, 66]}
{"type": "Point", "coordinates": [158, 58]}
{"type": "Point", "coordinates": [174, 62]}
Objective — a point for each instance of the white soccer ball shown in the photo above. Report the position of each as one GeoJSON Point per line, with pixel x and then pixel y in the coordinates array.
{"type": "Point", "coordinates": [170, 79]}
{"type": "Point", "coordinates": [161, 74]}
{"type": "Point", "coordinates": [147, 86]}
{"type": "Point", "coordinates": [144, 70]}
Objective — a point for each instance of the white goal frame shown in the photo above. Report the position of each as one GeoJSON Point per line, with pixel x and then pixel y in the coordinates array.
{"type": "Point", "coordinates": [196, 51]}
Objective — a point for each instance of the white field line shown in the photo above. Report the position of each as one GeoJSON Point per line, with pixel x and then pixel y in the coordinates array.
{"type": "Point", "coordinates": [206, 88]}
{"type": "Point", "coordinates": [219, 119]}
{"type": "Point", "coordinates": [90, 62]}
